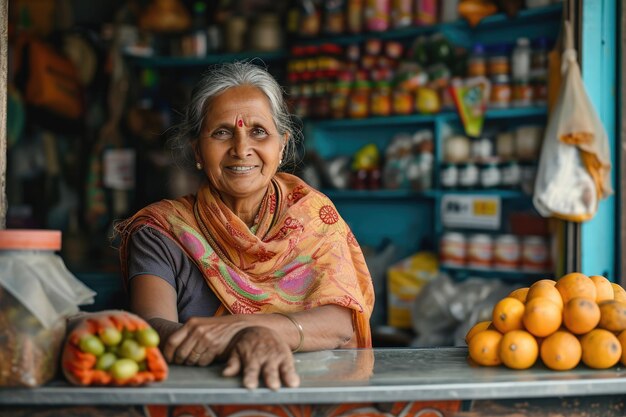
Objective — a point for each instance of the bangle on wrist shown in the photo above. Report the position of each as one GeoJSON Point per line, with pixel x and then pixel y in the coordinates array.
{"type": "Point", "coordinates": [298, 326]}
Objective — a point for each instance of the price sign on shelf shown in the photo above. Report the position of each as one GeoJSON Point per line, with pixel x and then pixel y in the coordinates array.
{"type": "Point", "coordinates": [471, 211]}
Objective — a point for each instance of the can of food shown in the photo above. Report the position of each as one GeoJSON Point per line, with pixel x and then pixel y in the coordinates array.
{"type": "Point", "coordinates": [507, 252]}
{"type": "Point", "coordinates": [480, 251]}
{"type": "Point", "coordinates": [452, 249]}
{"type": "Point", "coordinates": [535, 254]}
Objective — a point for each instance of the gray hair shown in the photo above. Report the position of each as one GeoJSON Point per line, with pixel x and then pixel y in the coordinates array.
{"type": "Point", "coordinates": [215, 82]}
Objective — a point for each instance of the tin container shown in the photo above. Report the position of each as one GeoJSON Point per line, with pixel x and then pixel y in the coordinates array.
{"type": "Point", "coordinates": [507, 252]}
{"type": "Point", "coordinates": [452, 249]}
{"type": "Point", "coordinates": [535, 254]}
{"type": "Point", "coordinates": [480, 251]}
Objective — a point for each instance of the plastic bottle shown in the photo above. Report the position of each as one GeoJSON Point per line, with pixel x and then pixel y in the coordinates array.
{"type": "Point", "coordinates": [521, 60]}
{"type": "Point", "coordinates": [539, 72]}
{"type": "Point", "coordinates": [199, 38]}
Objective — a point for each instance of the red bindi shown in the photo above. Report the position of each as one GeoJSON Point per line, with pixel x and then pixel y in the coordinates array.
{"type": "Point", "coordinates": [240, 123]}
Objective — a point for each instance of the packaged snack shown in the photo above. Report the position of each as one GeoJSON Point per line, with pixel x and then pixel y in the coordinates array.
{"type": "Point", "coordinates": [113, 347]}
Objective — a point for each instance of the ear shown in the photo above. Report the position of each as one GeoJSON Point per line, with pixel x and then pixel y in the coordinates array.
{"type": "Point", "coordinates": [195, 145]}
{"type": "Point", "coordinates": [285, 141]}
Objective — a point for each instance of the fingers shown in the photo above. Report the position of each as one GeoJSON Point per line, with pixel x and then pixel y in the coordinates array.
{"type": "Point", "coordinates": [173, 342]}
{"type": "Point", "coordinates": [257, 353]}
{"type": "Point", "coordinates": [233, 366]}
{"type": "Point", "coordinates": [288, 374]}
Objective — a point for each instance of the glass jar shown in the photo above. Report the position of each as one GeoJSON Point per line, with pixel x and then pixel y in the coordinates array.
{"type": "Point", "coordinates": [380, 99]}
{"type": "Point", "coordinates": [339, 100]}
{"type": "Point", "coordinates": [522, 94]}
{"type": "Point", "coordinates": [500, 97]}
{"type": "Point", "coordinates": [402, 102]}
{"type": "Point", "coordinates": [498, 63]}
{"type": "Point", "coordinates": [37, 293]}
{"type": "Point", "coordinates": [377, 15]}
{"type": "Point", "coordinates": [358, 107]}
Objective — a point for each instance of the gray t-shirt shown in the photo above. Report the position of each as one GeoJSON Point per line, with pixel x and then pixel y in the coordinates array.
{"type": "Point", "coordinates": [150, 252]}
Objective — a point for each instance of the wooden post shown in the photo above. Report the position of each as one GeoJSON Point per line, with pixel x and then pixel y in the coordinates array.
{"type": "Point", "coordinates": [4, 46]}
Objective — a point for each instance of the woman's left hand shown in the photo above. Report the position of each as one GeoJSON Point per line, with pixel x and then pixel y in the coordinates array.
{"type": "Point", "coordinates": [258, 352]}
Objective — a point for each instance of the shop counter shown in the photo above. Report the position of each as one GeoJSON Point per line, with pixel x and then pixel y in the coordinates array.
{"type": "Point", "coordinates": [382, 375]}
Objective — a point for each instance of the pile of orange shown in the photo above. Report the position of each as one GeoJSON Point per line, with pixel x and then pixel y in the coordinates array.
{"type": "Point", "coordinates": [560, 322]}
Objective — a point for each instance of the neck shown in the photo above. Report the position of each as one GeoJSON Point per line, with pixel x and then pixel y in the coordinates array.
{"type": "Point", "coordinates": [244, 208]}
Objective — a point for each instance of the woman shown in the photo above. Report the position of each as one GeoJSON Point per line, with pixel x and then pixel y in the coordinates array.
{"type": "Point", "coordinates": [207, 270]}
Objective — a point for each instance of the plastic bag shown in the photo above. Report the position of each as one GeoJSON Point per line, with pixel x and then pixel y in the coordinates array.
{"type": "Point", "coordinates": [37, 293]}
{"type": "Point", "coordinates": [574, 167]}
{"type": "Point", "coordinates": [85, 368]}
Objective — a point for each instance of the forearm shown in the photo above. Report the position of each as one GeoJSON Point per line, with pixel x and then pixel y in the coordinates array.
{"type": "Point", "coordinates": [325, 327]}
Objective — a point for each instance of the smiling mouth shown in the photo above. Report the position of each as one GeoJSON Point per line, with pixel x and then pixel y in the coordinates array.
{"type": "Point", "coordinates": [242, 169]}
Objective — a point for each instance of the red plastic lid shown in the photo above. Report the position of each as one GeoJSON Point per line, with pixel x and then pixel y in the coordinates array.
{"type": "Point", "coordinates": [30, 239]}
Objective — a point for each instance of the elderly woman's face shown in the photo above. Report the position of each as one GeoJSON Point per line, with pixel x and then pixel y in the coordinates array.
{"type": "Point", "coordinates": [240, 147]}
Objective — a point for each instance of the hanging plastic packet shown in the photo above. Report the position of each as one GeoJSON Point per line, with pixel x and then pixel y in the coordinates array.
{"type": "Point", "coordinates": [471, 98]}
{"type": "Point", "coordinates": [37, 294]}
{"type": "Point", "coordinates": [574, 167]}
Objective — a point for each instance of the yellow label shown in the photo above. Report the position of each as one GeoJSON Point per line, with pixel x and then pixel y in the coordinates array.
{"type": "Point", "coordinates": [485, 208]}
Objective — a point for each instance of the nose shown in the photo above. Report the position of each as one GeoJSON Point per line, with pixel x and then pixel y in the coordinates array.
{"type": "Point", "coordinates": [241, 145]}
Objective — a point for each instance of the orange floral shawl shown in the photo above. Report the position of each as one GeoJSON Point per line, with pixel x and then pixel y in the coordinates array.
{"type": "Point", "coordinates": [302, 255]}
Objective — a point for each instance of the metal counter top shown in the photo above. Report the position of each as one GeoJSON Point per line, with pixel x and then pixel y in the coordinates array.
{"type": "Point", "coordinates": [338, 376]}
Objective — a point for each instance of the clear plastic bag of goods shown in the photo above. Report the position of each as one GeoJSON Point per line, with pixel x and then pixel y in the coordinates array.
{"type": "Point", "coordinates": [430, 312]}
{"type": "Point", "coordinates": [37, 294]}
{"type": "Point", "coordinates": [574, 167]}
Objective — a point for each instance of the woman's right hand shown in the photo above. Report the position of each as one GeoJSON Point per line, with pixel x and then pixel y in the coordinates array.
{"type": "Point", "coordinates": [259, 352]}
{"type": "Point", "coordinates": [202, 339]}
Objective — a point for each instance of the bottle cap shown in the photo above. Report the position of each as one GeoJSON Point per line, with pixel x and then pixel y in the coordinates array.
{"type": "Point", "coordinates": [33, 239]}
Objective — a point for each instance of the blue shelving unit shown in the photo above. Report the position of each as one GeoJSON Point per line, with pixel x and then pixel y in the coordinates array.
{"type": "Point", "coordinates": [495, 22]}
{"type": "Point", "coordinates": [164, 62]}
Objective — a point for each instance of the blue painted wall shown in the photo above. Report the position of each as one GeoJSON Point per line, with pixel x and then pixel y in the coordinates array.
{"type": "Point", "coordinates": [599, 53]}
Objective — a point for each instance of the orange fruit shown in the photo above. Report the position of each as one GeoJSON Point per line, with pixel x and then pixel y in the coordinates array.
{"type": "Point", "coordinates": [604, 289]}
{"type": "Point", "coordinates": [519, 293]}
{"type": "Point", "coordinates": [484, 348]}
{"type": "Point", "coordinates": [542, 317]}
{"type": "Point", "coordinates": [612, 315]}
{"type": "Point", "coordinates": [507, 314]}
{"type": "Point", "coordinates": [601, 349]}
{"type": "Point", "coordinates": [622, 341]}
{"type": "Point", "coordinates": [576, 284]}
{"type": "Point", "coordinates": [581, 315]}
{"type": "Point", "coordinates": [619, 293]}
{"type": "Point", "coordinates": [561, 351]}
{"type": "Point", "coordinates": [546, 290]}
{"type": "Point", "coordinates": [546, 281]}
{"type": "Point", "coordinates": [478, 327]}
{"type": "Point", "coordinates": [518, 349]}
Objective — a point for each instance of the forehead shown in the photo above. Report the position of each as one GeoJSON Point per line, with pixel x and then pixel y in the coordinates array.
{"type": "Point", "coordinates": [245, 100]}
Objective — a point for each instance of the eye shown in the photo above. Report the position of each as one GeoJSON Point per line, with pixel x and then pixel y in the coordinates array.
{"type": "Point", "coordinates": [259, 132]}
{"type": "Point", "coordinates": [221, 134]}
